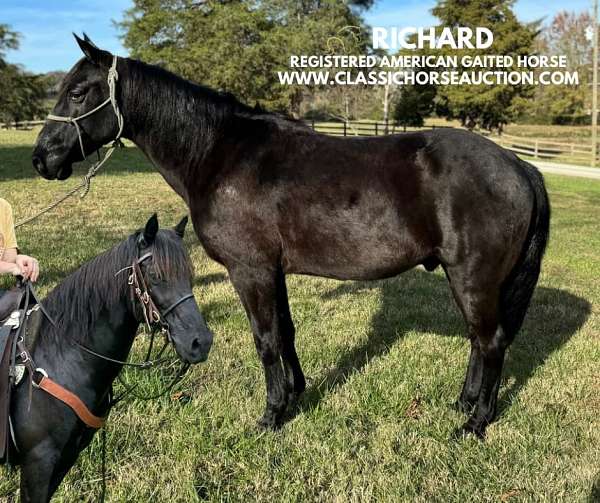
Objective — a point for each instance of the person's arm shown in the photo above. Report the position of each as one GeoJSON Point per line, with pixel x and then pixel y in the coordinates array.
{"type": "Point", "coordinates": [10, 260]}
{"type": "Point", "coordinates": [19, 265]}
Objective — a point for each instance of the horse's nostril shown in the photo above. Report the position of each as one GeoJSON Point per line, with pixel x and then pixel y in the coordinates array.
{"type": "Point", "coordinates": [38, 164]}
{"type": "Point", "coordinates": [201, 345]}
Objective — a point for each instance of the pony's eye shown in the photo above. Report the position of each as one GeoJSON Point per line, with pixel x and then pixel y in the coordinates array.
{"type": "Point", "coordinates": [76, 96]}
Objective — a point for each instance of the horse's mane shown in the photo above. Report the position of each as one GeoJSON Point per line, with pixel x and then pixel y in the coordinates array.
{"type": "Point", "coordinates": [78, 301]}
{"type": "Point", "coordinates": [174, 100]}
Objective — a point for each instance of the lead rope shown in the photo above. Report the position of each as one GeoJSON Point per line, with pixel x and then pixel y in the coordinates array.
{"type": "Point", "coordinates": [85, 185]}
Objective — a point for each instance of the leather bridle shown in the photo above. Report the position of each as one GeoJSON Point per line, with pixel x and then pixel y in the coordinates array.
{"type": "Point", "coordinates": [155, 322]}
{"type": "Point", "coordinates": [153, 317]}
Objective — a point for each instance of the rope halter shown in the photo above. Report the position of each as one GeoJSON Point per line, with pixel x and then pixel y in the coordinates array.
{"type": "Point", "coordinates": [85, 184]}
{"type": "Point", "coordinates": [113, 77]}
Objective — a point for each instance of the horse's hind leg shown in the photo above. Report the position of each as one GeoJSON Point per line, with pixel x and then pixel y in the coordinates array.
{"type": "Point", "coordinates": [493, 349]}
{"type": "Point", "coordinates": [480, 307]}
{"type": "Point", "coordinates": [470, 390]}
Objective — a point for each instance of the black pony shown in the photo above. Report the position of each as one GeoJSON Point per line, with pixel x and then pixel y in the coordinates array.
{"type": "Point", "coordinates": [270, 197]}
{"type": "Point", "coordinates": [94, 311]}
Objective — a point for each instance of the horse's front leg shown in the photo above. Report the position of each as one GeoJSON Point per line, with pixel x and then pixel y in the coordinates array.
{"type": "Point", "coordinates": [258, 293]}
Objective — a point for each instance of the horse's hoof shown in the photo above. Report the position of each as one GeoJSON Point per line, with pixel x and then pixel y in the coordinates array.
{"type": "Point", "coordinates": [467, 430]}
{"type": "Point", "coordinates": [293, 400]}
{"type": "Point", "coordinates": [269, 422]}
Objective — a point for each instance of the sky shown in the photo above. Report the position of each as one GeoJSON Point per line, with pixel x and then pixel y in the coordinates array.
{"type": "Point", "coordinates": [46, 25]}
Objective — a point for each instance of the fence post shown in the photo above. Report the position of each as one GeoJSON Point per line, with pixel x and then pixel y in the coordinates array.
{"type": "Point", "coordinates": [535, 152]}
{"type": "Point", "coordinates": [376, 133]}
{"type": "Point", "coordinates": [312, 123]}
{"type": "Point", "coordinates": [345, 128]}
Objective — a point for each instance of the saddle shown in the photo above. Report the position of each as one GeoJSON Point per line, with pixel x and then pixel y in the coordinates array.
{"type": "Point", "coordinates": [20, 315]}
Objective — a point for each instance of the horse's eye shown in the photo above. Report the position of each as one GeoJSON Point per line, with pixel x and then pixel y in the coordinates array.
{"type": "Point", "coordinates": [76, 96]}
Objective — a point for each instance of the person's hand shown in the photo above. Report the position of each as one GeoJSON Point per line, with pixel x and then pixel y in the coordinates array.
{"type": "Point", "coordinates": [30, 269]}
{"type": "Point", "coordinates": [16, 270]}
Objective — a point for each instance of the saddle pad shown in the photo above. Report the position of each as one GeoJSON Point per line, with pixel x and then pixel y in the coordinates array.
{"type": "Point", "coordinates": [6, 337]}
{"type": "Point", "coordinates": [33, 323]}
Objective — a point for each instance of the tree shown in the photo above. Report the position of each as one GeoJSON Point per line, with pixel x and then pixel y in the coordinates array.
{"type": "Point", "coordinates": [22, 94]}
{"type": "Point", "coordinates": [239, 45]}
{"type": "Point", "coordinates": [414, 105]}
{"type": "Point", "coordinates": [562, 104]}
{"type": "Point", "coordinates": [487, 106]}
{"type": "Point", "coordinates": [8, 40]}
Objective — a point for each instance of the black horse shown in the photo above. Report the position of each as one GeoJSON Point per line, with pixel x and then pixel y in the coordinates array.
{"type": "Point", "coordinates": [94, 312]}
{"type": "Point", "coordinates": [270, 197]}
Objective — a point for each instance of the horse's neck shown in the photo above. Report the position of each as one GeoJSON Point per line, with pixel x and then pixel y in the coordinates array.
{"type": "Point", "coordinates": [182, 147]}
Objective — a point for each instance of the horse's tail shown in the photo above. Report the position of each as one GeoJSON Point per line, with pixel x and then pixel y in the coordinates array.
{"type": "Point", "coordinates": [517, 289]}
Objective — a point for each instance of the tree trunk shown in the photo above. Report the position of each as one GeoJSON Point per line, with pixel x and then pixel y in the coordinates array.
{"type": "Point", "coordinates": [386, 106]}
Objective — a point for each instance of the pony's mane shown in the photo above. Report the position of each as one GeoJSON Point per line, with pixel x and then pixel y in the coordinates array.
{"type": "Point", "coordinates": [78, 301]}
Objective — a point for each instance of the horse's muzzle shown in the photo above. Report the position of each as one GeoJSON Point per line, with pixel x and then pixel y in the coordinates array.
{"type": "Point", "coordinates": [39, 165]}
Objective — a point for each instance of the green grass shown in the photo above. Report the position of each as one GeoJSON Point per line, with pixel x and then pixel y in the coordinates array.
{"type": "Point", "coordinates": [384, 361]}
{"type": "Point", "coordinates": [564, 134]}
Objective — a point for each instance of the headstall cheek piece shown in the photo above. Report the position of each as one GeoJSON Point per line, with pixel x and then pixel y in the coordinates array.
{"type": "Point", "coordinates": [153, 318]}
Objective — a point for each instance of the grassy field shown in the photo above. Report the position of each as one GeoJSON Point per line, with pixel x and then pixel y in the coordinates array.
{"type": "Point", "coordinates": [384, 362]}
{"type": "Point", "coordinates": [570, 134]}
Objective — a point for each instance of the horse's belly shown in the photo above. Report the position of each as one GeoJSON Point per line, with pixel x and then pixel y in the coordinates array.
{"type": "Point", "coordinates": [357, 252]}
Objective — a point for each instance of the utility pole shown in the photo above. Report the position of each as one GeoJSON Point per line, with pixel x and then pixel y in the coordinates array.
{"type": "Point", "coordinates": [595, 88]}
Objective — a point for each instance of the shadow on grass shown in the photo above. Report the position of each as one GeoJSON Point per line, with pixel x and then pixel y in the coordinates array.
{"type": "Point", "coordinates": [422, 301]}
{"type": "Point", "coordinates": [15, 163]}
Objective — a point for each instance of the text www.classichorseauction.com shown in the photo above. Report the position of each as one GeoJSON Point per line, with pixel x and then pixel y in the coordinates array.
{"type": "Point", "coordinates": [428, 69]}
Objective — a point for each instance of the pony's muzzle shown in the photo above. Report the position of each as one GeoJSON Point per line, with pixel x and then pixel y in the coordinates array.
{"type": "Point", "coordinates": [199, 348]}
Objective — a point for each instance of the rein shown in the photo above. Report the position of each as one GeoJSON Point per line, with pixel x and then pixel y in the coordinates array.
{"type": "Point", "coordinates": [86, 182]}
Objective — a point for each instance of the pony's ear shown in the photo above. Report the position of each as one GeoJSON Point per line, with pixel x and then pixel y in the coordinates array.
{"type": "Point", "coordinates": [92, 53]}
{"type": "Point", "coordinates": [180, 227]}
{"type": "Point", "coordinates": [149, 234]}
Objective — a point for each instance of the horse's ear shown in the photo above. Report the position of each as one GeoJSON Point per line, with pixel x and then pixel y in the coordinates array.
{"type": "Point", "coordinates": [92, 53]}
{"type": "Point", "coordinates": [88, 39]}
{"type": "Point", "coordinates": [180, 227]}
{"type": "Point", "coordinates": [150, 230]}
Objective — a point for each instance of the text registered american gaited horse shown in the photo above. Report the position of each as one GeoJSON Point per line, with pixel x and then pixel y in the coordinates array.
{"type": "Point", "coordinates": [270, 197]}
